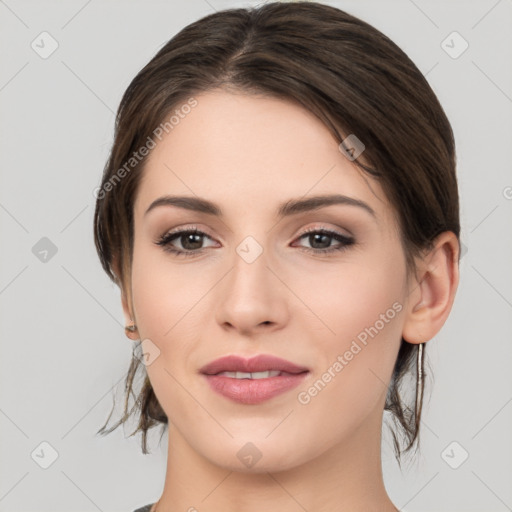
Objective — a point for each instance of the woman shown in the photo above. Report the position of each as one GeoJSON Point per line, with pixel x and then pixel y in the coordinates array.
{"type": "Point", "coordinates": [280, 211]}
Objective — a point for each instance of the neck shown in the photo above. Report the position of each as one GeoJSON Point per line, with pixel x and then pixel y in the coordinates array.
{"type": "Point", "coordinates": [345, 477]}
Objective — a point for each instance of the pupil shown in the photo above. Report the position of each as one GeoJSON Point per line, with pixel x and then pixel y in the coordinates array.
{"type": "Point", "coordinates": [189, 240]}
{"type": "Point", "coordinates": [318, 236]}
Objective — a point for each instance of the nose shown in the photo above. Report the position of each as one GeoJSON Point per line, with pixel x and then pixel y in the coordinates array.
{"type": "Point", "coordinates": [252, 297]}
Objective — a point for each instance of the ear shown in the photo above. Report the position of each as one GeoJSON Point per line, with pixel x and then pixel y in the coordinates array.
{"type": "Point", "coordinates": [126, 302]}
{"type": "Point", "coordinates": [431, 296]}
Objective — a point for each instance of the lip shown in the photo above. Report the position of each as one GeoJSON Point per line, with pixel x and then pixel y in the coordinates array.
{"type": "Point", "coordinates": [252, 391]}
{"type": "Point", "coordinates": [260, 363]}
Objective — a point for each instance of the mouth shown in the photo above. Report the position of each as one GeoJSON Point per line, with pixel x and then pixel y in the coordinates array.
{"type": "Point", "coordinates": [252, 381]}
{"type": "Point", "coordinates": [253, 375]}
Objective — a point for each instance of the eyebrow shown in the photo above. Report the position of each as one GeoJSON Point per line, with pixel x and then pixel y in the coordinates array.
{"type": "Point", "coordinates": [291, 207]}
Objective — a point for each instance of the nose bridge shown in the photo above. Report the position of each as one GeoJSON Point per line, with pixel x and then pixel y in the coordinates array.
{"type": "Point", "coordinates": [249, 273]}
{"type": "Point", "coordinates": [250, 294]}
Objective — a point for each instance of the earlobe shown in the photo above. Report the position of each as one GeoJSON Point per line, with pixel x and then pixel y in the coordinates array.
{"type": "Point", "coordinates": [130, 325]}
{"type": "Point", "coordinates": [130, 329]}
{"type": "Point", "coordinates": [432, 296]}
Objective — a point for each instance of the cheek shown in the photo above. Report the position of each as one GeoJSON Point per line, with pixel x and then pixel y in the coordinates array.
{"type": "Point", "coordinates": [164, 296]}
{"type": "Point", "coordinates": [361, 323]}
{"type": "Point", "coordinates": [345, 299]}
{"type": "Point", "coordinates": [356, 362]}
{"type": "Point", "coordinates": [163, 293]}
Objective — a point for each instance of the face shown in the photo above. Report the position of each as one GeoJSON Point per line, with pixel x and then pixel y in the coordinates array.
{"type": "Point", "coordinates": [322, 288]}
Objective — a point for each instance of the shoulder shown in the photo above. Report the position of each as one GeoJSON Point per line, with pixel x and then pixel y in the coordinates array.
{"type": "Point", "coordinates": [146, 508]}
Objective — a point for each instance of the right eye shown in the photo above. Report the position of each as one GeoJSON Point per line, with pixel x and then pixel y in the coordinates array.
{"type": "Point", "coordinates": [189, 239]}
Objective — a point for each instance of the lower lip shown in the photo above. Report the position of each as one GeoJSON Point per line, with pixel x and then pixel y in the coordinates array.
{"type": "Point", "coordinates": [254, 391]}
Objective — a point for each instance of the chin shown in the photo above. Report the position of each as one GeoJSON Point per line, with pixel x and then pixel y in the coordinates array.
{"type": "Point", "coordinates": [258, 456]}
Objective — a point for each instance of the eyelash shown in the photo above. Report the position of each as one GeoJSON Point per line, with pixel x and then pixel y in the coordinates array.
{"type": "Point", "coordinates": [165, 241]}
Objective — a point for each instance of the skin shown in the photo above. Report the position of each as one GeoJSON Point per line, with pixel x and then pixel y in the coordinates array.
{"type": "Point", "coordinates": [249, 154]}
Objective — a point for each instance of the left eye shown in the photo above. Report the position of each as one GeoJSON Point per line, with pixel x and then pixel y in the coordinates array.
{"type": "Point", "coordinates": [324, 237]}
{"type": "Point", "coordinates": [192, 239]}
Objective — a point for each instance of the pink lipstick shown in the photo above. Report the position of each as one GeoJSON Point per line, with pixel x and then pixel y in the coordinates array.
{"type": "Point", "coordinates": [255, 380]}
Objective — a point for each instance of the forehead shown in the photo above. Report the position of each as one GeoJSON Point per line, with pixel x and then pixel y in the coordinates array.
{"type": "Point", "coordinates": [245, 151]}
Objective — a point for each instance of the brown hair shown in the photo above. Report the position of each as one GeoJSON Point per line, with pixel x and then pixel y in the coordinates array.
{"type": "Point", "coordinates": [340, 68]}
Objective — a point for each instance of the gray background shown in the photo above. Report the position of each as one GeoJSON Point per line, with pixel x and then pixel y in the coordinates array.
{"type": "Point", "coordinates": [64, 352]}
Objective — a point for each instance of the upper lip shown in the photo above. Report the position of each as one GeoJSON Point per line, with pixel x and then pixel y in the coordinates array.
{"type": "Point", "coordinates": [260, 363]}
